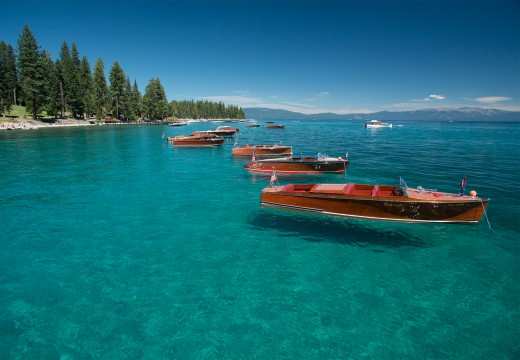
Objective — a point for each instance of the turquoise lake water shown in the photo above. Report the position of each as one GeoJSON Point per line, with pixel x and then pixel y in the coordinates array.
{"type": "Point", "coordinates": [116, 245]}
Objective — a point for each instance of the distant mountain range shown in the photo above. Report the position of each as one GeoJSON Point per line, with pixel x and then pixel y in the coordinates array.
{"type": "Point", "coordinates": [460, 114]}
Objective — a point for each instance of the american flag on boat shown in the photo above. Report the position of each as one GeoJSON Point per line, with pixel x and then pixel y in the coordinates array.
{"type": "Point", "coordinates": [273, 178]}
{"type": "Point", "coordinates": [462, 185]}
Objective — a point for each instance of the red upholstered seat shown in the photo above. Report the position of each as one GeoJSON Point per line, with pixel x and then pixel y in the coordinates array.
{"type": "Point", "coordinates": [350, 189]}
{"type": "Point", "coordinates": [288, 188]}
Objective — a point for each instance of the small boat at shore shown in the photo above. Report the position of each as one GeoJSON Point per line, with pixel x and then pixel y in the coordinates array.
{"type": "Point", "coordinates": [263, 150]}
{"type": "Point", "coordinates": [320, 164]}
{"type": "Point", "coordinates": [220, 131]}
{"type": "Point", "coordinates": [209, 140]}
{"type": "Point", "coordinates": [273, 126]}
{"type": "Point", "coordinates": [178, 123]}
{"type": "Point", "coordinates": [377, 124]}
{"type": "Point", "coordinates": [377, 202]}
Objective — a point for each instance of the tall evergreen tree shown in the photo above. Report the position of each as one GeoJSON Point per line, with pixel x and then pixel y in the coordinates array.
{"type": "Point", "coordinates": [75, 83]}
{"type": "Point", "coordinates": [154, 100]}
{"type": "Point", "coordinates": [51, 84]}
{"type": "Point", "coordinates": [117, 88]}
{"type": "Point", "coordinates": [8, 77]}
{"type": "Point", "coordinates": [11, 74]}
{"type": "Point", "coordinates": [129, 104]}
{"type": "Point", "coordinates": [100, 89]}
{"type": "Point", "coordinates": [64, 67]}
{"type": "Point", "coordinates": [4, 92]}
{"type": "Point", "coordinates": [31, 70]}
{"type": "Point", "coordinates": [88, 88]}
{"type": "Point", "coordinates": [71, 72]}
{"type": "Point", "coordinates": [58, 69]}
{"type": "Point", "coordinates": [138, 100]}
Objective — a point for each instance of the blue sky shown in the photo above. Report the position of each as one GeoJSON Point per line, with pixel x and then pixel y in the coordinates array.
{"type": "Point", "coordinates": [305, 56]}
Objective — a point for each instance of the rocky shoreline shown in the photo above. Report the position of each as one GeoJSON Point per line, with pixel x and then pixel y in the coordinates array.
{"type": "Point", "coordinates": [23, 124]}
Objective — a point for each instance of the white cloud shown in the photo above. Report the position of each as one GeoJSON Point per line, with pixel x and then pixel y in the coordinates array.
{"type": "Point", "coordinates": [436, 97]}
{"type": "Point", "coordinates": [323, 94]}
{"type": "Point", "coordinates": [431, 97]}
{"type": "Point", "coordinates": [492, 99]}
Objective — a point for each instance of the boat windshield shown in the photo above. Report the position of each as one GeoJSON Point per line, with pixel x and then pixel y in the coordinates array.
{"type": "Point", "coordinates": [321, 156]}
{"type": "Point", "coordinates": [401, 189]}
{"type": "Point", "coordinates": [402, 183]}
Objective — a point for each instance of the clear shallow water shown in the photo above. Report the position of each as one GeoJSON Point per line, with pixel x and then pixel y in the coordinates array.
{"type": "Point", "coordinates": [116, 245]}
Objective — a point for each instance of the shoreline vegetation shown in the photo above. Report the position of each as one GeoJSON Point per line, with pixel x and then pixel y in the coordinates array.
{"type": "Point", "coordinates": [66, 85]}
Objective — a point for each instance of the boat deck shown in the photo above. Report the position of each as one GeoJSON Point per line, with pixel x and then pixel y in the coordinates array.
{"type": "Point", "coordinates": [434, 195]}
{"type": "Point", "coordinates": [383, 191]}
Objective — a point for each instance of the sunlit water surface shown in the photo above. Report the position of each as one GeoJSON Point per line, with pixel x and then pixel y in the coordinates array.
{"type": "Point", "coordinates": [116, 245]}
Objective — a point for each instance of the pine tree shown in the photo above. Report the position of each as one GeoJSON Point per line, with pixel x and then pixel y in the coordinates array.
{"type": "Point", "coordinates": [58, 69]}
{"type": "Point", "coordinates": [51, 84]}
{"type": "Point", "coordinates": [129, 104]}
{"type": "Point", "coordinates": [31, 70]}
{"type": "Point", "coordinates": [11, 74]}
{"type": "Point", "coordinates": [137, 100]}
{"type": "Point", "coordinates": [155, 103]}
{"type": "Point", "coordinates": [117, 88]}
{"type": "Point", "coordinates": [4, 92]}
{"type": "Point", "coordinates": [71, 78]}
{"type": "Point", "coordinates": [75, 83]}
{"type": "Point", "coordinates": [88, 88]}
{"type": "Point", "coordinates": [100, 89]}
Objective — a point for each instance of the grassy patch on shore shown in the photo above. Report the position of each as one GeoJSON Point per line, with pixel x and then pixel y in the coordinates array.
{"type": "Point", "coordinates": [16, 112]}
{"type": "Point", "coordinates": [20, 113]}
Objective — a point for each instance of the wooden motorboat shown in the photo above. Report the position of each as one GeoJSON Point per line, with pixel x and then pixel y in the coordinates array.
{"type": "Point", "coordinates": [376, 202]}
{"type": "Point", "coordinates": [221, 131]}
{"type": "Point", "coordinates": [273, 126]}
{"type": "Point", "coordinates": [208, 140]}
{"type": "Point", "coordinates": [319, 164]}
{"type": "Point", "coordinates": [263, 150]}
{"type": "Point", "coordinates": [377, 124]}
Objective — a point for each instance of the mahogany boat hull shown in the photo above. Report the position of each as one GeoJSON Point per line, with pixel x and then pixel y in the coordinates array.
{"type": "Point", "coordinates": [383, 206]}
{"type": "Point", "coordinates": [263, 150]}
{"type": "Point", "coordinates": [215, 132]}
{"type": "Point", "coordinates": [296, 166]}
{"type": "Point", "coordinates": [196, 141]}
{"type": "Point", "coordinates": [275, 126]}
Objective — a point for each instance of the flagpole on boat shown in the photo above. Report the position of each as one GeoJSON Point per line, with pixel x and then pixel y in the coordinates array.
{"type": "Point", "coordinates": [276, 177]}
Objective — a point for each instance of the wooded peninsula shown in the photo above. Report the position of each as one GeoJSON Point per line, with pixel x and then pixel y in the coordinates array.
{"type": "Point", "coordinates": [67, 87]}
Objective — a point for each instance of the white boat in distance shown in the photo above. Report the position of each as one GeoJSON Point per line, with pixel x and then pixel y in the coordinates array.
{"type": "Point", "coordinates": [377, 124]}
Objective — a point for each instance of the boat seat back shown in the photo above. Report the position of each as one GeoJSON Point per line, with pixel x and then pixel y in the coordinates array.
{"type": "Point", "coordinates": [376, 191]}
{"type": "Point", "coordinates": [350, 189]}
{"type": "Point", "coordinates": [288, 188]}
